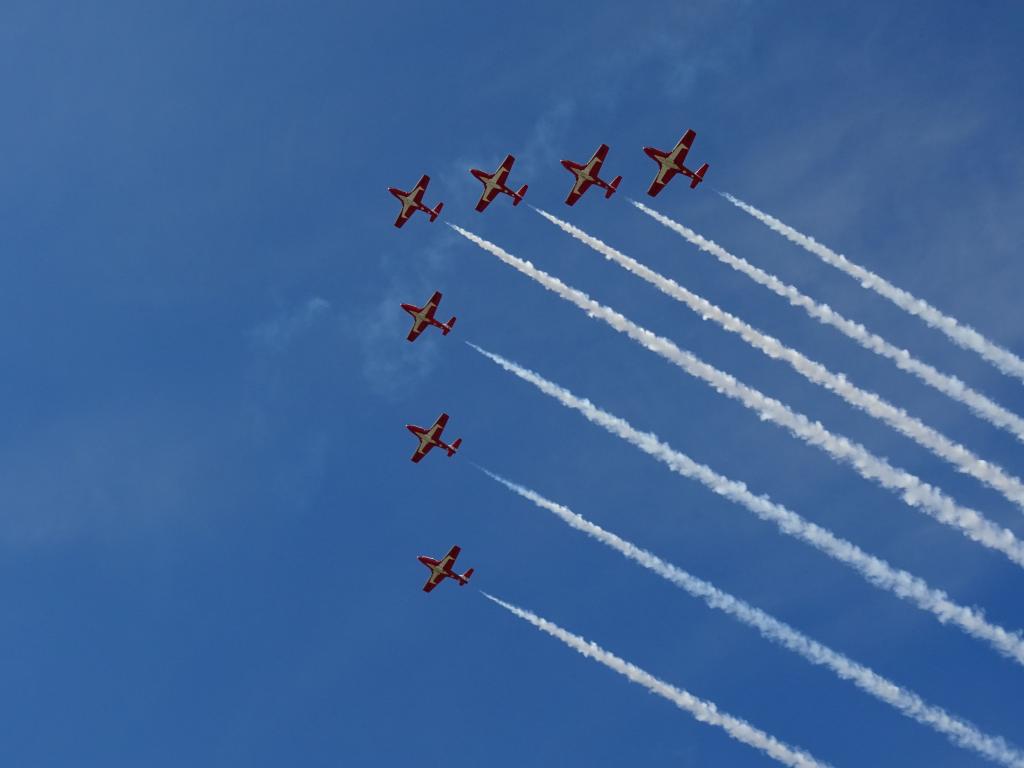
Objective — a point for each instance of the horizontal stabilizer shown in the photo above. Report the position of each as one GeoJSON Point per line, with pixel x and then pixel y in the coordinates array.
{"type": "Point", "coordinates": [612, 187]}
{"type": "Point", "coordinates": [454, 447]}
{"type": "Point", "coordinates": [466, 577]}
{"type": "Point", "coordinates": [449, 325]}
{"type": "Point", "coordinates": [436, 211]}
{"type": "Point", "coordinates": [698, 176]}
{"type": "Point", "coordinates": [519, 195]}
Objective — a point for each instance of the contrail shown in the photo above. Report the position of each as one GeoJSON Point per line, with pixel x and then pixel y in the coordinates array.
{"type": "Point", "coordinates": [911, 489]}
{"type": "Point", "coordinates": [960, 457]}
{"type": "Point", "coordinates": [951, 386]}
{"type": "Point", "coordinates": [961, 335]}
{"type": "Point", "coordinates": [703, 711]}
{"type": "Point", "coordinates": [908, 703]}
{"type": "Point", "coordinates": [873, 569]}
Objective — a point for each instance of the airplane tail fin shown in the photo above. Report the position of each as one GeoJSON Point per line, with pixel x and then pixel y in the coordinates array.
{"type": "Point", "coordinates": [454, 447]}
{"type": "Point", "coordinates": [518, 198]}
{"type": "Point", "coordinates": [449, 325]}
{"type": "Point", "coordinates": [436, 211]}
{"type": "Point", "coordinates": [698, 176]}
{"type": "Point", "coordinates": [612, 187]}
{"type": "Point", "coordinates": [466, 577]}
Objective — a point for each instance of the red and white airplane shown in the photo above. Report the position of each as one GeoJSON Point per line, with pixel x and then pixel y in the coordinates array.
{"type": "Point", "coordinates": [494, 183]}
{"type": "Point", "coordinates": [587, 176]}
{"type": "Point", "coordinates": [671, 163]}
{"type": "Point", "coordinates": [442, 569]}
{"type": "Point", "coordinates": [423, 317]}
{"type": "Point", "coordinates": [413, 201]}
{"type": "Point", "coordinates": [429, 438]}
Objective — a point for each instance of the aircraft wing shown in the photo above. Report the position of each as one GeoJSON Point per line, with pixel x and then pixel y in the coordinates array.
{"type": "Point", "coordinates": [577, 190]}
{"type": "Point", "coordinates": [433, 581]}
{"type": "Point", "coordinates": [487, 198]}
{"type": "Point", "coordinates": [417, 457]}
{"type": "Point", "coordinates": [441, 422]}
{"type": "Point", "coordinates": [433, 302]}
{"type": "Point", "coordinates": [449, 560]}
{"type": "Point", "coordinates": [502, 174]}
{"type": "Point", "coordinates": [660, 181]}
{"type": "Point", "coordinates": [683, 147]}
{"type": "Point", "coordinates": [416, 330]}
{"type": "Point", "coordinates": [404, 215]}
{"type": "Point", "coordinates": [421, 187]}
{"type": "Point", "coordinates": [599, 156]}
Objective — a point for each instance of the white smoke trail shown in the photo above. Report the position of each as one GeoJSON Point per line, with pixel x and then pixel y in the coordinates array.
{"type": "Point", "coordinates": [703, 711]}
{"type": "Point", "coordinates": [906, 702]}
{"type": "Point", "coordinates": [951, 386]}
{"type": "Point", "coordinates": [961, 335]}
{"type": "Point", "coordinates": [910, 488]}
{"type": "Point", "coordinates": [875, 570]}
{"type": "Point", "coordinates": [869, 402]}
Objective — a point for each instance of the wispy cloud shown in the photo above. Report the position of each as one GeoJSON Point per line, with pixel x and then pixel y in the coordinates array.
{"type": "Point", "coordinates": [961, 335]}
{"type": "Point", "coordinates": [951, 386]}
{"type": "Point", "coordinates": [910, 488]}
{"type": "Point", "coordinates": [278, 332]}
{"type": "Point", "coordinates": [704, 711]}
{"type": "Point", "coordinates": [906, 702]}
{"type": "Point", "coordinates": [875, 570]}
{"type": "Point", "coordinates": [387, 362]}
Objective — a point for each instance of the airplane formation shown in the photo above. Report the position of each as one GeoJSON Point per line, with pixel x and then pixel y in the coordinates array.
{"type": "Point", "coordinates": [586, 175]}
{"type": "Point", "coordinates": [669, 164]}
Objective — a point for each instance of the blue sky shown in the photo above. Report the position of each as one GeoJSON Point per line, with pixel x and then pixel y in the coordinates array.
{"type": "Point", "coordinates": [208, 520]}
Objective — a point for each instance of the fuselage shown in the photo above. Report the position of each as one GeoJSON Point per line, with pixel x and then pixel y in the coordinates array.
{"type": "Point", "coordinates": [426, 437]}
{"type": "Point", "coordinates": [408, 200]}
{"type": "Point", "coordinates": [419, 314]}
{"type": "Point", "coordinates": [585, 173]}
{"type": "Point", "coordinates": [489, 183]}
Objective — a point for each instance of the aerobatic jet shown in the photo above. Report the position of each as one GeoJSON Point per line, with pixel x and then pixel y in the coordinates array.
{"type": "Point", "coordinates": [442, 569]}
{"type": "Point", "coordinates": [423, 317]}
{"type": "Point", "coordinates": [432, 437]}
{"type": "Point", "coordinates": [671, 163]}
{"type": "Point", "coordinates": [587, 176]}
{"type": "Point", "coordinates": [494, 183]}
{"type": "Point", "coordinates": [413, 201]}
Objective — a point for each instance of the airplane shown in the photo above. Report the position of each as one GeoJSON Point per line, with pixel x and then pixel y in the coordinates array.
{"type": "Point", "coordinates": [587, 175]}
{"type": "Point", "coordinates": [423, 317]}
{"type": "Point", "coordinates": [413, 201]}
{"type": "Point", "coordinates": [671, 163]}
{"type": "Point", "coordinates": [442, 569]}
{"type": "Point", "coordinates": [495, 183]}
{"type": "Point", "coordinates": [432, 437]}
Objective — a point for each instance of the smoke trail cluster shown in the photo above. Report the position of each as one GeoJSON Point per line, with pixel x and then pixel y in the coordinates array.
{"type": "Point", "coordinates": [951, 386]}
{"type": "Point", "coordinates": [906, 702]}
{"type": "Point", "coordinates": [869, 402]}
{"type": "Point", "coordinates": [875, 570]}
{"type": "Point", "coordinates": [962, 336]}
{"type": "Point", "coordinates": [910, 488]}
{"type": "Point", "coordinates": [704, 711]}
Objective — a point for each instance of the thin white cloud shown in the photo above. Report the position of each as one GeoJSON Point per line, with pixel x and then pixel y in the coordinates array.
{"type": "Point", "coordinates": [279, 332]}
